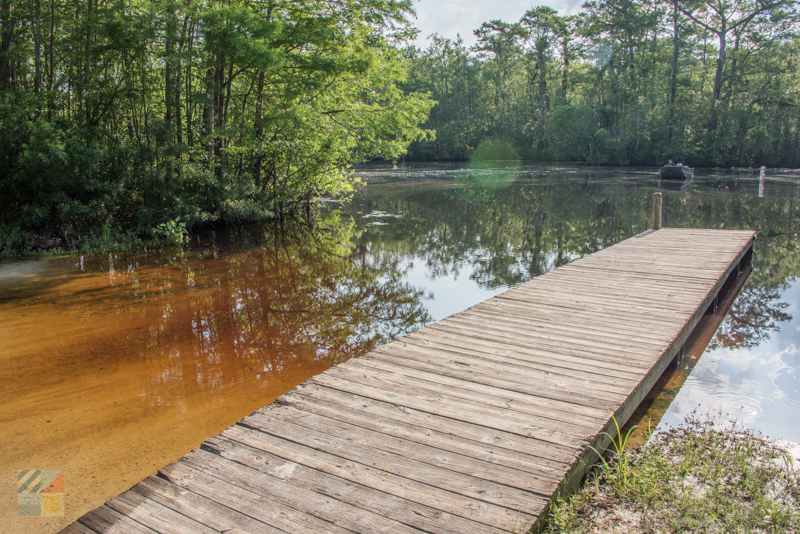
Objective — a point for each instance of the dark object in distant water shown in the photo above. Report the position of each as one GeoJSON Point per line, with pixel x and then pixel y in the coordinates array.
{"type": "Point", "coordinates": [676, 172]}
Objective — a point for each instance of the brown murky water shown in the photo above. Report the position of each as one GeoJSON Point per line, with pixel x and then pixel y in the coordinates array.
{"type": "Point", "coordinates": [112, 367]}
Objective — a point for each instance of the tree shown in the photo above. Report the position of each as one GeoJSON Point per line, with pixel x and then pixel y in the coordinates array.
{"type": "Point", "coordinates": [539, 31]}
{"type": "Point", "coordinates": [223, 110]}
{"type": "Point", "coordinates": [735, 17]}
{"type": "Point", "coordinates": [498, 41]}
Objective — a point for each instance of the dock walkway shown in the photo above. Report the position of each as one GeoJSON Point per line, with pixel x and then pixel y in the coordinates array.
{"type": "Point", "coordinates": [469, 425]}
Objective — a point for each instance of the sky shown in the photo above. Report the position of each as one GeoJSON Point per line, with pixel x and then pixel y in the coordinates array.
{"type": "Point", "coordinates": [451, 17]}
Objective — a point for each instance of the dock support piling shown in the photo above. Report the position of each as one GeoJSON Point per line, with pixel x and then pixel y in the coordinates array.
{"type": "Point", "coordinates": [656, 211]}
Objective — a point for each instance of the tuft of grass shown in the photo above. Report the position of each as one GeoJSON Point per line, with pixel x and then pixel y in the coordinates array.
{"type": "Point", "coordinates": [698, 477]}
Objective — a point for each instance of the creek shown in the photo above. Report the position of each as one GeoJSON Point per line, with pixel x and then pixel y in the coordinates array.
{"type": "Point", "coordinates": [113, 366]}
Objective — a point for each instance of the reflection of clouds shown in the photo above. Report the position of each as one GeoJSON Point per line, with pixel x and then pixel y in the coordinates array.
{"type": "Point", "coordinates": [741, 359]}
{"type": "Point", "coordinates": [757, 388]}
{"type": "Point", "coordinates": [780, 368]}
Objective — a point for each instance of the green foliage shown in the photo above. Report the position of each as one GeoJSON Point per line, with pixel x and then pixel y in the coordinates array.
{"type": "Point", "coordinates": [137, 112]}
{"type": "Point", "coordinates": [491, 162]}
{"type": "Point", "coordinates": [623, 82]}
{"type": "Point", "coordinates": [695, 478]}
{"type": "Point", "coordinates": [173, 232]}
{"type": "Point", "coordinates": [494, 150]}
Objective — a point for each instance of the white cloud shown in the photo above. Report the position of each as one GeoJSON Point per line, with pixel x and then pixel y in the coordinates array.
{"type": "Point", "coordinates": [568, 7]}
{"type": "Point", "coordinates": [449, 18]}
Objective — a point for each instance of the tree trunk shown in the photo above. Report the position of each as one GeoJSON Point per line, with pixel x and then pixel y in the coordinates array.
{"type": "Point", "coordinates": [179, 83]}
{"type": "Point", "coordinates": [7, 31]}
{"type": "Point", "coordinates": [37, 45]}
{"type": "Point", "coordinates": [259, 131]}
{"type": "Point", "coordinates": [189, 109]}
{"type": "Point", "coordinates": [565, 72]}
{"type": "Point", "coordinates": [673, 73]}
{"type": "Point", "coordinates": [169, 67]}
{"type": "Point", "coordinates": [718, 79]}
{"type": "Point", "coordinates": [632, 69]}
{"type": "Point", "coordinates": [219, 79]}
{"type": "Point", "coordinates": [208, 112]}
{"type": "Point", "coordinates": [543, 104]}
{"type": "Point", "coordinates": [87, 65]}
{"type": "Point", "coordinates": [52, 66]}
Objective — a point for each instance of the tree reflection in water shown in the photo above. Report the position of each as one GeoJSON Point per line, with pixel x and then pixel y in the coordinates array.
{"type": "Point", "coordinates": [537, 217]}
{"type": "Point", "coordinates": [150, 354]}
{"type": "Point", "coordinates": [280, 297]}
{"type": "Point", "coordinates": [756, 313]}
{"type": "Point", "coordinates": [534, 218]}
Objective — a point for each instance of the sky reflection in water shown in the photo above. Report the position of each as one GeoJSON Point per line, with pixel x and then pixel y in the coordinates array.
{"type": "Point", "coordinates": [749, 372]}
{"type": "Point", "coordinates": [756, 386]}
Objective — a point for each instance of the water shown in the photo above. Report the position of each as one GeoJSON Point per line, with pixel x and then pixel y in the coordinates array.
{"type": "Point", "coordinates": [113, 366]}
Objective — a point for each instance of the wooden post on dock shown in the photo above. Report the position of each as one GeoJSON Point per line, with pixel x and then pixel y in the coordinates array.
{"type": "Point", "coordinates": [656, 211]}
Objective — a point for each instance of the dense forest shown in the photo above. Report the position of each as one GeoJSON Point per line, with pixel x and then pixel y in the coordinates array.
{"type": "Point", "coordinates": [128, 119]}
{"type": "Point", "coordinates": [128, 116]}
{"type": "Point", "coordinates": [711, 83]}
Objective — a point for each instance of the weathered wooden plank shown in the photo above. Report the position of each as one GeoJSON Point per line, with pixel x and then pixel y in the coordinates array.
{"type": "Point", "coordinates": [205, 511]}
{"type": "Point", "coordinates": [565, 323]}
{"type": "Point", "coordinates": [108, 521]}
{"type": "Point", "coordinates": [155, 516]}
{"type": "Point", "coordinates": [77, 528]}
{"type": "Point", "coordinates": [617, 296]}
{"type": "Point", "coordinates": [579, 346]}
{"type": "Point", "coordinates": [324, 480]}
{"type": "Point", "coordinates": [480, 450]}
{"type": "Point", "coordinates": [560, 331]}
{"type": "Point", "coordinates": [549, 311]}
{"type": "Point", "coordinates": [500, 388]}
{"type": "Point", "coordinates": [238, 490]}
{"type": "Point", "coordinates": [549, 455]}
{"type": "Point", "coordinates": [442, 460]}
{"type": "Point", "coordinates": [455, 408]}
{"type": "Point", "coordinates": [376, 477]}
{"type": "Point", "coordinates": [438, 346]}
{"type": "Point", "coordinates": [478, 369]}
{"type": "Point", "coordinates": [490, 502]}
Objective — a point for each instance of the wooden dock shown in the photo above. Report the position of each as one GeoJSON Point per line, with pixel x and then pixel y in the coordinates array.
{"type": "Point", "coordinates": [472, 424]}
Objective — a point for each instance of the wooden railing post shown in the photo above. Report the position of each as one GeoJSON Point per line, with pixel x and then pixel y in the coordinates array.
{"type": "Point", "coordinates": [656, 211]}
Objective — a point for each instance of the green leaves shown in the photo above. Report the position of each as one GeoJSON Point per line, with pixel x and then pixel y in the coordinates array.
{"type": "Point", "coordinates": [226, 109]}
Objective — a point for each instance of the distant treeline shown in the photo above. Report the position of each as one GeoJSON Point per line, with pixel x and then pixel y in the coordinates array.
{"type": "Point", "coordinates": [623, 82]}
{"type": "Point", "coordinates": [117, 116]}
